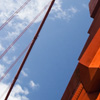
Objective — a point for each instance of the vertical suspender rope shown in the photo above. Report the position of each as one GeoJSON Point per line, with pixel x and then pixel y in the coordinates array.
{"type": "Point", "coordinates": [15, 13]}
{"type": "Point", "coordinates": [29, 50]}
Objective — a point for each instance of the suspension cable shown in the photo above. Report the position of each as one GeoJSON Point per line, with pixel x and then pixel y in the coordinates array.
{"type": "Point", "coordinates": [15, 13]}
{"type": "Point", "coordinates": [29, 50]}
{"type": "Point", "coordinates": [23, 32]}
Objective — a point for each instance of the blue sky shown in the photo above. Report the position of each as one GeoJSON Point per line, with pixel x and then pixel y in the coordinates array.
{"type": "Point", "coordinates": [54, 56]}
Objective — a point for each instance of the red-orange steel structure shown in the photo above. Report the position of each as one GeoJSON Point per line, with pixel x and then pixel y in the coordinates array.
{"type": "Point", "coordinates": [85, 82]}
{"type": "Point", "coordinates": [29, 50]}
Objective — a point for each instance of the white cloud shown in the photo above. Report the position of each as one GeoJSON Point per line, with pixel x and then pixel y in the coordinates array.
{"type": "Point", "coordinates": [18, 90]}
{"type": "Point", "coordinates": [7, 61]}
{"type": "Point", "coordinates": [2, 70]}
{"type": "Point", "coordinates": [4, 88]}
{"type": "Point", "coordinates": [24, 73]}
{"type": "Point", "coordinates": [33, 85]}
{"type": "Point", "coordinates": [26, 15]}
{"type": "Point", "coordinates": [72, 10]}
{"type": "Point", "coordinates": [85, 6]}
{"type": "Point", "coordinates": [1, 48]}
{"type": "Point", "coordinates": [11, 35]}
{"type": "Point", "coordinates": [23, 18]}
{"type": "Point", "coordinates": [17, 94]}
{"type": "Point", "coordinates": [60, 13]}
{"type": "Point", "coordinates": [30, 11]}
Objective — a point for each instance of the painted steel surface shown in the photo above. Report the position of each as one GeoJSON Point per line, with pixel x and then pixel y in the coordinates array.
{"type": "Point", "coordinates": [85, 82]}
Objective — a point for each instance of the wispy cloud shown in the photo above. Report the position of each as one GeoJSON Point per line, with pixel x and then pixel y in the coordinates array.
{"type": "Point", "coordinates": [72, 10]}
{"type": "Point", "coordinates": [33, 85]}
{"type": "Point", "coordinates": [18, 89]}
{"type": "Point", "coordinates": [24, 73]}
{"type": "Point", "coordinates": [17, 94]}
{"type": "Point", "coordinates": [59, 13]}
{"type": "Point", "coordinates": [1, 48]}
{"type": "Point", "coordinates": [7, 61]}
{"type": "Point", "coordinates": [57, 10]}
{"type": "Point", "coordinates": [2, 70]}
{"type": "Point", "coordinates": [85, 6]}
{"type": "Point", "coordinates": [25, 16]}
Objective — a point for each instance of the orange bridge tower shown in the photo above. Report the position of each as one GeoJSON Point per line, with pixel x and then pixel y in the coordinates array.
{"type": "Point", "coordinates": [85, 81]}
